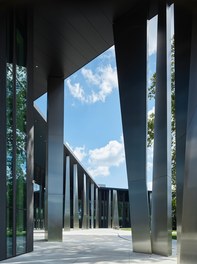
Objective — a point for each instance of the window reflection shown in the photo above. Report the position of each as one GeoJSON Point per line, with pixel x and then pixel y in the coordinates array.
{"type": "Point", "coordinates": [16, 107]}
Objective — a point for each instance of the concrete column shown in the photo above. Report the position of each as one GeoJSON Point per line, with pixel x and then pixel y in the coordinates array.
{"type": "Point", "coordinates": [84, 223]}
{"type": "Point", "coordinates": [130, 35]}
{"type": "Point", "coordinates": [161, 195]}
{"type": "Point", "coordinates": [96, 209]}
{"type": "Point", "coordinates": [75, 197]}
{"type": "Point", "coordinates": [67, 195]}
{"type": "Point", "coordinates": [188, 249]}
{"type": "Point", "coordinates": [183, 27]}
{"type": "Point", "coordinates": [54, 181]}
{"type": "Point", "coordinates": [92, 205]}
{"type": "Point", "coordinates": [109, 210]}
{"type": "Point", "coordinates": [115, 214]}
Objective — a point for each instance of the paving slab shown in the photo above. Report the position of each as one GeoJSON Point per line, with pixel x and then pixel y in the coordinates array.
{"type": "Point", "coordinates": [100, 246]}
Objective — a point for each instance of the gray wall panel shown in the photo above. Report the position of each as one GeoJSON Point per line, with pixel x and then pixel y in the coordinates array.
{"type": "Point", "coordinates": [182, 22]}
{"type": "Point", "coordinates": [75, 197]}
{"type": "Point", "coordinates": [54, 180]}
{"type": "Point", "coordinates": [161, 196]}
{"type": "Point", "coordinates": [131, 57]}
{"type": "Point", "coordinates": [109, 210]}
{"type": "Point", "coordinates": [115, 215]}
{"type": "Point", "coordinates": [92, 206]}
{"type": "Point", "coordinates": [67, 195]}
{"type": "Point", "coordinates": [188, 252]}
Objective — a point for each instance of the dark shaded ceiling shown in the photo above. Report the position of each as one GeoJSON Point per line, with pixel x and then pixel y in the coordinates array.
{"type": "Point", "coordinates": [68, 34]}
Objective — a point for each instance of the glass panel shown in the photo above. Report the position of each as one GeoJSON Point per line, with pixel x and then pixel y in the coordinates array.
{"type": "Point", "coordinates": [21, 163]}
{"type": "Point", "coordinates": [21, 153]}
{"type": "Point", "coordinates": [9, 232]}
{"type": "Point", "coordinates": [9, 155]}
{"type": "Point", "coordinates": [21, 232]}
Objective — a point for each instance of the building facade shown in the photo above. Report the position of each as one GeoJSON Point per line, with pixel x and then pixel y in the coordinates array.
{"type": "Point", "coordinates": [41, 44]}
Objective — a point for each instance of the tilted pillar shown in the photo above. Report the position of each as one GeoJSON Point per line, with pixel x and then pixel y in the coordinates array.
{"type": "Point", "coordinates": [188, 246]}
{"type": "Point", "coordinates": [161, 195]}
{"type": "Point", "coordinates": [115, 214]}
{"type": "Point", "coordinates": [67, 195]}
{"type": "Point", "coordinates": [183, 28]}
{"type": "Point", "coordinates": [54, 181]}
{"type": "Point", "coordinates": [92, 206]}
{"type": "Point", "coordinates": [75, 198]}
{"type": "Point", "coordinates": [130, 35]}
{"type": "Point", "coordinates": [84, 223]}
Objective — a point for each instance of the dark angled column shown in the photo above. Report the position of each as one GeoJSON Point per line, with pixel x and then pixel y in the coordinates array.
{"type": "Point", "coordinates": [75, 198]}
{"type": "Point", "coordinates": [96, 209]}
{"type": "Point", "coordinates": [84, 223]}
{"type": "Point", "coordinates": [92, 206]}
{"type": "Point", "coordinates": [109, 210]}
{"type": "Point", "coordinates": [115, 215]}
{"type": "Point", "coordinates": [188, 247]}
{"type": "Point", "coordinates": [67, 195]}
{"type": "Point", "coordinates": [183, 27]}
{"type": "Point", "coordinates": [3, 225]}
{"type": "Point", "coordinates": [161, 195]}
{"type": "Point", "coordinates": [54, 184]}
{"type": "Point", "coordinates": [130, 34]}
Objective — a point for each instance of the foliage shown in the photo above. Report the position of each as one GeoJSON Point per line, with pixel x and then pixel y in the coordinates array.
{"type": "Point", "coordinates": [150, 137]}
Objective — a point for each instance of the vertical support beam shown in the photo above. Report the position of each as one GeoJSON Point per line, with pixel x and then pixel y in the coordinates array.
{"type": "Point", "coordinates": [109, 210]}
{"type": "Point", "coordinates": [188, 252]}
{"type": "Point", "coordinates": [88, 202]}
{"type": "Point", "coordinates": [84, 223]}
{"type": "Point", "coordinates": [183, 27]}
{"type": "Point", "coordinates": [115, 217]}
{"type": "Point", "coordinates": [131, 56]}
{"type": "Point", "coordinates": [3, 224]}
{"type": "Point", "coordinates": [67, 195]}
{"type": "Point", "coordinates": [75, 197]}
{"type": "Point", "coordinates": [92, 206]}
{"type": "Point", "coordinates": [55, 157]}
{"type": "Point", "coordinates": [161, 196]}
{"type": "Point", "coordinates": [30, 132]}
{"type": "Point", "coordinates": [96, 209]}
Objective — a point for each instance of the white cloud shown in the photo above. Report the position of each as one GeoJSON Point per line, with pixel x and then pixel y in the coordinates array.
{"type": "Point", "coordinates": [76, 90]}
{"type": "Point", "coordinates": [79, 152]}
{"type": "Point", "coordinates": [102, 159]}
{"type": "Point", "coordinates": [99, 171]}
{"type": "Point", "coordinates": [103, 81]}
{"type": "Point", "coordinates": [152, 36]}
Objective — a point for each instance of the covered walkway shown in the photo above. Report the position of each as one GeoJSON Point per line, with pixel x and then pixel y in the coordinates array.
{"type": "Point", "coordinates": [89, 246]}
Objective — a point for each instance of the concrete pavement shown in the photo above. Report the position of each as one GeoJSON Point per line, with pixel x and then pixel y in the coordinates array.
{"type": "Point", "coordinates": [101, 246]}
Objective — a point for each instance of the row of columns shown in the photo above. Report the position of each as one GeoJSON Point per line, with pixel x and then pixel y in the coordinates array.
{"type": "Point", "coordinates": [131, 55]}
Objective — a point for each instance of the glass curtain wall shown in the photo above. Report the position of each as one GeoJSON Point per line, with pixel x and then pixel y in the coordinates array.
{"type": "Point", "coordinates": [16, 99]}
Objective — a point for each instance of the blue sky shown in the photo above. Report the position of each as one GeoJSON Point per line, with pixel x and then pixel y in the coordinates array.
{"type": "Point", "coordinates": [92, 118]}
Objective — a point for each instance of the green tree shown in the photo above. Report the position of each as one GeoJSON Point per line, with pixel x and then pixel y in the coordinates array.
{"type": "Point", "coordinates": [151, 119]}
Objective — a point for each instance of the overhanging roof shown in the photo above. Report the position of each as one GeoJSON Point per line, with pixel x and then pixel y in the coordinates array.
{"type": "Point", "coordinates": [68, 34]}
